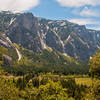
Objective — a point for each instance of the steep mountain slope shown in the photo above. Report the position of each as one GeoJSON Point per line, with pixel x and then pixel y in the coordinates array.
{"type": "Point", "coordinates": [8, 51]}
{"type": "Point", "coordinates": [18, 60]}
{"type": "Point", "coordinates": [72, 39]}
{"type": "Point", "coordinates": [38, 34]}
{"type": "Point", "coordinates": [47, 61]}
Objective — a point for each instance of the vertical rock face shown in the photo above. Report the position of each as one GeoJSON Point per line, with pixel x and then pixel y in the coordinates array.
{"type": "Point", "coordinates": [25, 31]}
{"type": "Point", "coordinates": [8, 51]}
{"type": "Point", "coordinates": [37, 34]}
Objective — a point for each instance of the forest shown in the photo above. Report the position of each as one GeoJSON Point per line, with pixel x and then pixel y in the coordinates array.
{"type": "Point", "coordinates": [27, 80]}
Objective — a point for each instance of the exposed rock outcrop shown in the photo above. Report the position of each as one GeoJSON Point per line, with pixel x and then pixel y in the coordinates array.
{"type": "Point", "coordinates": [36, 34]}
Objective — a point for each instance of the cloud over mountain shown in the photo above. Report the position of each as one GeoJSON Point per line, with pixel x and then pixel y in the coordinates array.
{"type": "Point", "coordinates": [89, 12]}
{"type": "Point", "coordinates": [84, 21]}
{"type": "Point", "coordinates": [17, 5]}
{"type": "Point", "coordinates": [78, 3]}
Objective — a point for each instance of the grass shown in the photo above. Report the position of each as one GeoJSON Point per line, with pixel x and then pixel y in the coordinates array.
{"type": "Point", "coordinates": [84, 81]}
{"type": "Point", "coordinates": [80, 79]}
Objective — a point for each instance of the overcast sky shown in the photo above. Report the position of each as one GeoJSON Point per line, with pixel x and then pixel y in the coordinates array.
{"type": "Point", "coordinates": [83, 12]}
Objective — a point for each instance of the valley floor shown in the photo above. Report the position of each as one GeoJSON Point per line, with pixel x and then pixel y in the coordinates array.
{"type": "Point", "coordinates": [45, 87]}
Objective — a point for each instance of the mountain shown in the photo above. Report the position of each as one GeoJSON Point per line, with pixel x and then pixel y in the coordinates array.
{"type": "Point", "coordinates": [18, 60]}
{"type": "Point", "coordinates": [38, 34]}
{"type": "Point", "coordinates": [8, 51]}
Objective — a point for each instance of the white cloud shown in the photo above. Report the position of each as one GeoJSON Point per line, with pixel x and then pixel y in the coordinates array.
{"type": "Point", "coordinates": [89, 12]}
{"type": "Point", "coordinates": [88, 22]}
{"type": "Point", "coordinates": [81, 21]}
{"type": "Point", "coordinates": [17, 5]}
{"type": "Point", "coordinates": [94, 28]}
{"type": "Point", "coordinates": [78, 3]}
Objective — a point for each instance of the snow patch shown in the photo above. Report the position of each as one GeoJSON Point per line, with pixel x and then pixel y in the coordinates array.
{"type": "Point", "coordinates": [98, 35]}
{"type": "Point", "coordinates": [8, 39]}
{"type": "Point", "coordinates": [19, 54]}
{"type": "Point", "coordinates": [72, 45]}
{"type": "Point", "coordinates": [12, 20]}
{"type": "Point", "coordinates": [68, 39]}
{"type": "Point", "coordinates": [4, 43]}
{"type": "Point", "coordinates": [50, 22]}
{"type": "Point", "coordinates": [84, 43]}
{"type": "Point", "coordinates": [63, 24]}
{"type": "Point", "coordinates": [65, 54]}
{"type": "Point", "coordinates": [62, 43]}
{"type": "Point", "coordinates": [90, 57]}
{"type": "Point", "coordinates": [98, 47]}
{"type": "Point", "coordinates": [47, 27]}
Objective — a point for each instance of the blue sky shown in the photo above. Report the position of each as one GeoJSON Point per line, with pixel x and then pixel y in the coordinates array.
{"type": "Point", "coordinates": [51, 9]}
{"type": "Point", "coordinates": [86, 14]}
{"type": "Point", "coordinates": [83, 12]}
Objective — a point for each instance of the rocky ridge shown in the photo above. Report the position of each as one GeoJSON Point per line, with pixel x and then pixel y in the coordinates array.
{"type": "Point", "coordinates": [38, 34]}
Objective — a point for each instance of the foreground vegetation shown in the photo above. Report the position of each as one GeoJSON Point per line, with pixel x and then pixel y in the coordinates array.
{"type": "Point", "coordinates": [48, 86]}
{"type": "Point", "coordinates": [49, 77]}
{"type": "Point", "coordinates": [42, 87]}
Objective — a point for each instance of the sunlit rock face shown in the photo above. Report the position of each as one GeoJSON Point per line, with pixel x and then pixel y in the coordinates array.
{"type": "Point", "coordinates": [37, 34]}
